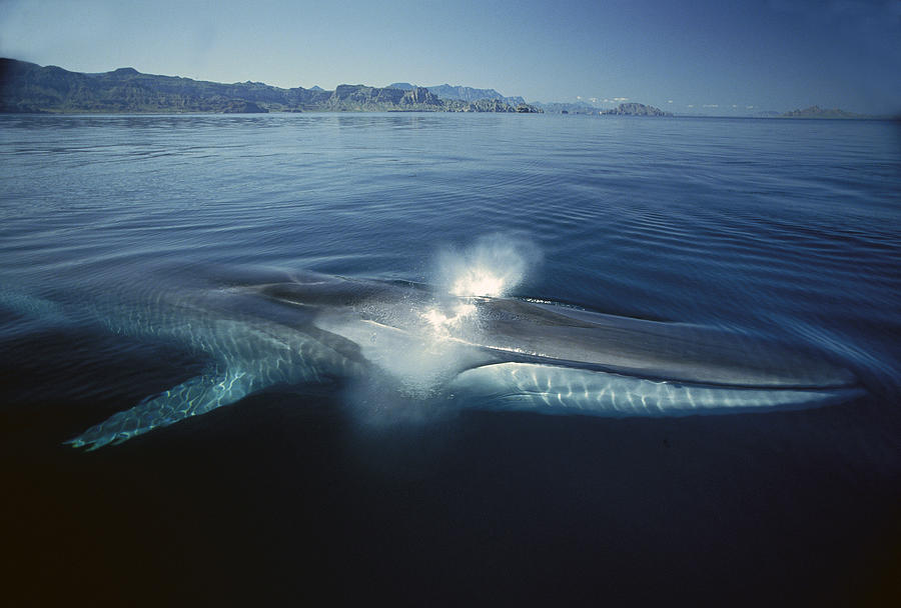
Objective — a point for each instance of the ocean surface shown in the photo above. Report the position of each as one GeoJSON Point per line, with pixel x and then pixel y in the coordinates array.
{"type": "Point", "coordinates": [786, 230]}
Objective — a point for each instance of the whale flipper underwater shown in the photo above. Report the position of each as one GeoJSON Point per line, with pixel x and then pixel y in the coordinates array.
{"type": "Point", "coordinates": [478, 352]}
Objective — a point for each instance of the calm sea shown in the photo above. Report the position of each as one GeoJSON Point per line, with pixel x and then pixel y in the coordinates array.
{"type": "Point", "coordinates": [786, 229]}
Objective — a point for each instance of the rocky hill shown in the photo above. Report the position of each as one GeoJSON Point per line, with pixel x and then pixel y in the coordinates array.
{"type": "Point", "coordinates": [361, 98]}
{"type": "Point", "coordinates": [461, 93]}
{"type": "Point", "coordinates": [27, 87]}
{"type": "Point", "coordinates": [446, 91]}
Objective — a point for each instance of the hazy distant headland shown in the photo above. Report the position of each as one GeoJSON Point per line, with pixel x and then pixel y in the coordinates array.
{"type": "Point", "coordinates": [27, 87]}
{"type": "Point", "coordinates": [818, 112]}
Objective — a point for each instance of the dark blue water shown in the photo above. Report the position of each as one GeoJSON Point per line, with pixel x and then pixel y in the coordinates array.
{"type": "Point", "coordinates": [780, 229]}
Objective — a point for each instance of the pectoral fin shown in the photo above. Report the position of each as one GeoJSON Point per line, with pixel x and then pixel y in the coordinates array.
{"type": "Point", "coordinates": [196, 396]}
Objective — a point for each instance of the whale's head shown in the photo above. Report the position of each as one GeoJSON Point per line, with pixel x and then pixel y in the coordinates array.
{"type": "Point", "coordinates": [488, 352]}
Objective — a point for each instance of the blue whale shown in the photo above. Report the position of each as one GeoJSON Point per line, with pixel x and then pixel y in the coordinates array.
{"type": "Point", "coordinates": [476, 352]}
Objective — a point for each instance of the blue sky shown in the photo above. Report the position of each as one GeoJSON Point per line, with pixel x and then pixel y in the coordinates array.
{"type": "Point", "coordinates": [696, 56]}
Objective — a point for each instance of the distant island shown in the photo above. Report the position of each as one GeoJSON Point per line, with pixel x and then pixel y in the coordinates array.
{"type": "Point", "coordinates": [818, 112]}
{"type": "Point", "coordinates": [580, 107]}
{"type": "Point", "coordinates": [562, 107]}
{"type": "Point", "coordinates": [635, 109]}
{"type": "Point", "coordinates": [28, 87]}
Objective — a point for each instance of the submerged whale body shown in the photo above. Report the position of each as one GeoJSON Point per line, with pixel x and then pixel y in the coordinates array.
{"type": "Point", "coordinates": [477, 352]}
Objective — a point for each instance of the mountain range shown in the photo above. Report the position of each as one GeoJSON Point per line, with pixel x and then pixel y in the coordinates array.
{"type": "Point", "coordinates": [28, 87]}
